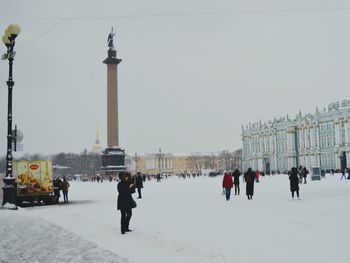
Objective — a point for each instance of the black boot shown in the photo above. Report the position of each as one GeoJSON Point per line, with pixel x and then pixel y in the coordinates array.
{"type": "Point", "coordinates": [127, 228]}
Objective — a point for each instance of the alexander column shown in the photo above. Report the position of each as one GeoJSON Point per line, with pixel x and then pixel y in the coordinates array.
{"type": "Point", "coordinates": [113, 157]}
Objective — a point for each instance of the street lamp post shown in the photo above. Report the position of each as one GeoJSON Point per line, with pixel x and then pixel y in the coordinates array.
{"type": "Point", "coordinates": [9, 198]}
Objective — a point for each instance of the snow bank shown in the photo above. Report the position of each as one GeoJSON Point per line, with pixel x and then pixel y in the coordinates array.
{"type": "Point", "coordinates": [25, 238]}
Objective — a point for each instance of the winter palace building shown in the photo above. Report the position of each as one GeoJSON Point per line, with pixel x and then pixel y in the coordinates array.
{"type": "Point", "coordinates": [319, 139]}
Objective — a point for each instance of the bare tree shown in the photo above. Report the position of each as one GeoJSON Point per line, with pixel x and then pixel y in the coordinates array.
{"type": "Point", "coordinates": [209, 161]}
{"type": "Point", "coordinates": [225, 158]}
{"type": "Point", "coordinates": [237, 159]}
{"type": "Point", "coordinates": [197, 161]}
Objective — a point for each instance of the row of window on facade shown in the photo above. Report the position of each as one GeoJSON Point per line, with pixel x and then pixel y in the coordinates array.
{"type": "Point", "coordinates": [266, 143]}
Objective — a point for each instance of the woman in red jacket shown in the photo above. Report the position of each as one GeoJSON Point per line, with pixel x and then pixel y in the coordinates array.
{"type": "Point", "coordinates": [257, 175]}
{"type": "Point", "coordinates": [227, 184]}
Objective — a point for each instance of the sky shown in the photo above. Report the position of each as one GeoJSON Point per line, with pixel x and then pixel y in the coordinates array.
{"type": "Point", "coordinates": [192, 71]}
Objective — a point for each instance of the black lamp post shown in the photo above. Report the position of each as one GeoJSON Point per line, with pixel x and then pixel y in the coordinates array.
{"type": "Point", "coordinates": [9, 198]}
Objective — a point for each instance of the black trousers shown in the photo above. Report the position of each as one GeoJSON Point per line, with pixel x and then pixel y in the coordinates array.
{"type": "Point", "coordinates": [125, 219]}
{"type": "Point", "coordinates": [139, 191]}
{"type": "Point", "coordinates": [236, 189]}
{"type": "Point", "coordinates": [297, 193]}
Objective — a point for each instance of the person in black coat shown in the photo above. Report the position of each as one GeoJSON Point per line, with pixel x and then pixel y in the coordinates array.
{"type": "Point", "coordinates": [139, 183]}
{"type": "Point", "coordinates": [249, 178]}
{"type": "Point", "coordinates": [294, 181]}
{"type": "Point", "coordinates": [304, 173]}
{"type": "Point", "coordinates": [236, 174]}
{"type": "Point", "coordinates": [57, 186]}
{"type": "Point", "coordinates": [125, 201]}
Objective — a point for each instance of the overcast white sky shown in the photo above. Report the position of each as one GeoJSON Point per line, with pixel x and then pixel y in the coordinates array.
{"type": "Point", "coordinates": [191, 74]}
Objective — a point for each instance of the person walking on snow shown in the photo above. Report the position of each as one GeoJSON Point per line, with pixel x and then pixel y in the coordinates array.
{"type": "Point", "coordinates": [304, 173]}
{"type": "Point", "coordinates": [343, 174]}
{"type": "Point", "coordinates": [294, 181]}
{"type": "Point", "coordinates": [227, 184]}
{"type": "Point", "coordinates": [257, 175]}
{"type": "Point", "coordinates": [249, 178]}
{"type": "Point", "coordinates": [139, 183]}
{"type": "Point", "coordinates": [236, 175]}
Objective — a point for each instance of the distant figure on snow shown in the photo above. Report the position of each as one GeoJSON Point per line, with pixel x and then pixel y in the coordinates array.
{"type": "Point", "coordinates": [227, 184]}
{"type": "Point", "coordinates": [236, 175]}
{"type": "Point", "coordinates": [257, 175]}
{"type": "Point", "coordinates": [57, 186]}
{"type": "Point", "coordinates": [304, 173]}
{"type": "Point", "coordinates": [139, 183]}
{"type": "Point", "coordinates": [294, 181]}
{"type": "Point", "coordinates": [342, 174]}
{"type": "Point", "coordinates": [249, 178]}
{"type": "Point", "coordinates": [65, 186]}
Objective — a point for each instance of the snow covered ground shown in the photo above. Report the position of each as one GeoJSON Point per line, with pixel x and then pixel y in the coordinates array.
{"type": "Point", "coordinates": [186, 220]}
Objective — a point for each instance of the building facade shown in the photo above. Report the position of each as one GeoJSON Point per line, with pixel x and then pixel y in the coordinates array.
{"type": "Point", "coordinates": [319, 139]}
{"type": "Point", "coordinates": [175, 163]}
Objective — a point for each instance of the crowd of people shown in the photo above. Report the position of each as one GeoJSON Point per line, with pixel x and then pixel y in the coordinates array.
{"type": "Point", "coordinates": [230, 179]}
{"type": "Point", "coordinates": [129, 184]}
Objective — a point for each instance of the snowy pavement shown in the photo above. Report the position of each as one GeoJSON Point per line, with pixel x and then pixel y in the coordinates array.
{"type": "Point", "coordinates": [189, 221]}
{"type": "Point", "coordinates": [24, 238]}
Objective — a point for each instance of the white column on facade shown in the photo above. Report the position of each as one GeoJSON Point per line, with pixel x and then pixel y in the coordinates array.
{"type": "Point", "coordinates": [260, 164]}
{"type": "Point", "coordinates": [276, 152]}
{"type": "Point", "coordinates": [318, 135]}
{"type": "Point", "coordinates": [264, 143]}
{"type": "Point", "coordinates": [337, 161]}
{"type": "Point", "coordinates": [250, 145]}
{"type": "Point", "coordinates": [307, 133]}
{"type": "Point", "coordinates": [301, 142]}
{"type": "Point", "coordinates": [313, 159]}
{"type": "Point", "coordinates": [312, 137]}
{"type": "Point", "coordinates": [346, 127]}
{"type": "Point", "coordinates": [337, 133]}
{"type": "Point", "coordinates": [291, 141]}
{"type": "Point", "coordinates": [288, 141]}
{"type": "Point", "coordinates": [244, 150]}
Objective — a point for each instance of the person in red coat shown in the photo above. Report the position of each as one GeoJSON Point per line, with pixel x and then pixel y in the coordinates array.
{"type": "Point", "coordinates": [257, 175]}
{"type": "Point", "coordinates": [227, 184]}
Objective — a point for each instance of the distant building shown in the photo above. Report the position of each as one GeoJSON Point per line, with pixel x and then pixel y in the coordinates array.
{"type": "Point", "coordinates": [319, 139]}
{"type": "Point", "coordinates": [183, 163]}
